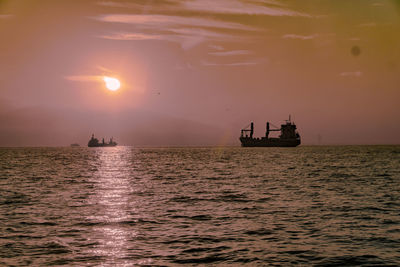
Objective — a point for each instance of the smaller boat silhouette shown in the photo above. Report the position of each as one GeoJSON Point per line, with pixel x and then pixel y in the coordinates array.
{"type": "Point", "coordinates": [94, 142]}
{"type": "Point", "coordinates": [74, 145]}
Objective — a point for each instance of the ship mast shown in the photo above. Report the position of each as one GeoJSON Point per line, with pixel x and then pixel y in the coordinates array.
{"type": "Point", "coordinates": [246, 130]}
{"type": "Point", "coordinates": [289, 121]}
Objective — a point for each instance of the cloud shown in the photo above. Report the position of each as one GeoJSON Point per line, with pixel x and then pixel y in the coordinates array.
{"type": "Point", "coordinates": [199, 32]}
{"type": "Point", "coordinates": [105, 71]}
{"type": "Point", "coordinates": [164, 22]}
{"type": "Point", "coordinates": [161, 5]}
{"type": "Point", "coordinates": [132, 36]}
{"type": "Point", "coordinates": [238, 7]}
{"type": "Point", "coordinates": [246, 63]}
{"type": "Point", "coordinates": [231, 53]}
{"type": "Point", "coordinates": [190, 37]}
{"type": "Point", "coordinates": [300, 37]}
{"type": "Point", "coordinates": [369, 24]}
{"type": "Point", "coordinates": [6, 16]}
{"type": "Point", "coordinates": [84, 78]}
{"type": "Point", "coordinates": [269, 2]}
{"type": "Point", "coordinates": [254, 7]}
{"type": "Point", "coordinates": [216, 47]}
{"type": "Point", "coordinates": [351, 74]}
{"type": "Point", "coordinates": [187, 38]}
{"type": "Point", "coordinates": [242, 64]}
{"type": "Point", "coordinates": [188, 32]}
{"type": "Point", "coordinates": [115, 4]}
{"type": "Point", "coordinates": [324, 38]}
{"type": "Point", "coordinates": [91, 78]}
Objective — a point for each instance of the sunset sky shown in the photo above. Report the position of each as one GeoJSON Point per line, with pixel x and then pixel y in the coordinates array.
{"type": "Point", "coordinates": [195, 72]}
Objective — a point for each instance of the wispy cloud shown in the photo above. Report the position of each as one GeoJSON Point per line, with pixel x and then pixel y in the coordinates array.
{"type": "Point", "coordinates": [165, 22]}
{"type": "Point", "coordinates": [300, 37]}
{"type": "Point", "coordinates": [233, 64]}
{"type": "Point", "coordinates": [132, 36]}
{"type": "Point", "coordinates": [187, 38]}
{"type": "Point", "coordinates": [231, 53]}
{"type": "Point", "coordinates": [238, 7]}
{"type": "Point", "coordinates": [269, 2]}
{"type": "Point", "coordinates": [161, 5]}
{"type": "Point", "coordinates": [242, 64]}
{"type": "Point", "coordinates": [188, 32]}
{"type": "Point", "coordinates": [253, 7]}
{"type": "Point", "coordinates": [369, 24]}
{"type": "Point", "coordinates": [199, 32]}
{"type": "Point", "coordinates": [6, 16]}
{"type": "Point", "coordinates": [216, 47]}
{"type": "Point", "coordinates": [103, 71]}
{"type": "Point", "coordinates": [117, 4]}
{"type": "Point", "coordinates": [84, 78]}
{"type": "Point", "coordinates": [351, 74]}
{"type": "Point", "coordinates": [173, 23]}
{"type": "Point", "coordinates": [190, 37]}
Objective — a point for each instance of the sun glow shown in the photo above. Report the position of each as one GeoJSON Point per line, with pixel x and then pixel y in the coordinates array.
{"type": "Point", "coordinates": [112, 84]}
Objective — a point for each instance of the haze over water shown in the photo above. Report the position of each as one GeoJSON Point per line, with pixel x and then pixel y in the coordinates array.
{"type": "Point", "coordinates": [124, 206]}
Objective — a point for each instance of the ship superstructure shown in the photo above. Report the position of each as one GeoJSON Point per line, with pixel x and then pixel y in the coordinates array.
{"type": "Point", "coordinates": [94, 142]}
{"type": "Point", "coordinates": [289, 137]}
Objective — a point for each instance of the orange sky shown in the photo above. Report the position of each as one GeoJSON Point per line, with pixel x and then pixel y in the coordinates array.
{"type": "Point", "coordinates": [195, 72]}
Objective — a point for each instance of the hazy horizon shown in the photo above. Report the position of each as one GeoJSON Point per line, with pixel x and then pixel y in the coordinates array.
{"type": "Point", "coordinates": [195, 72]}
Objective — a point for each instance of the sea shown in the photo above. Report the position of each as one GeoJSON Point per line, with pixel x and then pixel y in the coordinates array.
{"type": "Point", "coordinates": [212, 206]}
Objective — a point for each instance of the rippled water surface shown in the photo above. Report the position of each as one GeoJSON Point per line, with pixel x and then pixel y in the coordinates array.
{"type": "Point", "coordinates": [324, 206]}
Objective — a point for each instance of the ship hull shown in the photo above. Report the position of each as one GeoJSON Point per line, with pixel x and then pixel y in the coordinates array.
{"type": "Point", "coordinates": [101, 145]}
{"type": "Point", "coordinates": [270, 142]}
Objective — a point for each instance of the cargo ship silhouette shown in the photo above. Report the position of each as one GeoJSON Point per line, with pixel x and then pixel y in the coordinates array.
{"type": "Point", "coordinates": [289, 137]}
{"type": "Point", "coordinates": [94, 142]}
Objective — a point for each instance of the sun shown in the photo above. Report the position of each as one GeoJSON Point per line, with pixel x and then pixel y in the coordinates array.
{"type": "Point", "coordinates": [112, 84]}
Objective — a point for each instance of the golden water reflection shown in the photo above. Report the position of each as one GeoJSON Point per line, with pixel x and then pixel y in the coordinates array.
{"type": "Point", "coordinates": [111, 217]}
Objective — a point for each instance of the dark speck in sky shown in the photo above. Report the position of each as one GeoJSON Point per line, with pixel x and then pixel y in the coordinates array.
{"type": "Point", "coordinates": [355, 50]}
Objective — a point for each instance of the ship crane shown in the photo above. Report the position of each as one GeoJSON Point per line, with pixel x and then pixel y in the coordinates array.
{"type": "Point", "coordinates": [245, 130]}
{"type": "Point", "coordinates": [271, 130]}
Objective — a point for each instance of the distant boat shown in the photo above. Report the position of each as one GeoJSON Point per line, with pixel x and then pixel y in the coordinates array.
{"type": "Point", "coordinates": [75, 145]}
{"type": "Point", "coordinates": [289, 137]}
{"type": "Point", "coordinates": [94, 142]}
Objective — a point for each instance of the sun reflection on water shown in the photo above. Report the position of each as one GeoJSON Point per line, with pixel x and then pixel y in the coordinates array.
{"type": "Point", "coordinates": [112, 231]}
